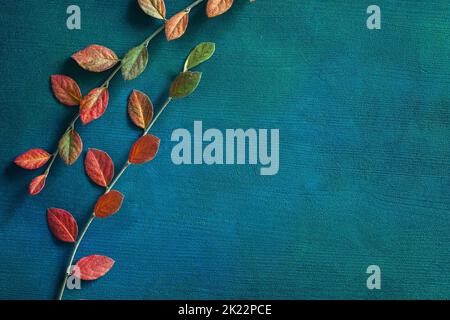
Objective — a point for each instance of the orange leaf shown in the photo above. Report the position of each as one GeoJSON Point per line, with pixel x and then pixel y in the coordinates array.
{"type": "Point", "coordinates": [62, 224]}
{"type": "Point", "coordinates": [66, 90]}
{"type": "Point", "coordinates": [108, 204]}
{"type": "Point", "coordinates": [94, 105]}
{"type": "Point", "coordinates": [33, 159]}
{"type": "Point", "coordinates": [176, 26]}
{"type": "Point", "coordinates": [37, 184]}
{"type": "Point", "coordinates": [140, 109]}
{"type": "Point", "coordinates": [93, 267]}
{"type": "Point", "coordinates": [215, 8]}
{"type": "Point", "coordinates": [144, 150]}
{"type": "Point", "coordinates": [96, 58]}
{"type": "Point", "coordinates": [99, 167]}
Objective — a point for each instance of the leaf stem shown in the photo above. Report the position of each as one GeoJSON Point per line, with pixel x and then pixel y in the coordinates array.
{"type": "Point", "coordinates": [116, 179]}
{"type": "Point", "coordinates": [157, 116]}
{"type": "Point", "coordinates": [154, 34]}
{"type": "Point", "coordinates": [112, 75]}
{"type": "Point", "coordinates": [47, 171]}
{"type": "Point", "coordinates": [74, 121]}
{"type": "Point", "coordinates": [193, 5]}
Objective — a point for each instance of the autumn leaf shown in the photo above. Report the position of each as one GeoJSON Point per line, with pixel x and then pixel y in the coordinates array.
{"type": "Point", "coordinates": [144, 149]}
{"type": "Point", "coordinates": [177, 25]}
{"type": "Point", "coordinates": [94, 105]}
{"type": "Point", "coordinates": [33, 159]}
{"type": "Point", "coordinates": [108, 204]}
{"type": "Point", "coordinates": [201, 53]}
{"type": "Point", "coordinates": [185, 84]}
{"type": "Point", "coordinates": [99, 167]}
{"type": "Point", "coordinates": [93, 267]}
{"type": "Point", "coordinates": [66, 90]}
{"type": "Point", "coordinates": [140, 109]}
{"type": "Point", "coordinates": [96, 58]}
{"type": "Point", "coordinates": [154, 8]}
{"type": "Point", "coordinates": [135, 62]}
{"type": "Point", "coordinates": [37, 184]}
{"type": "Point", "coordinates": [62, 224]}
{"type": "Point", "coordinates": [70, 147]}
{"type": "Point", "coordinates": [215, 8]}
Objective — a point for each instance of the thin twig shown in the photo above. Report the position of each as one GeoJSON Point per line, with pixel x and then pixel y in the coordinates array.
{"type": "Point", "coordinates": [157, 116]}
{"type": "Point", "coordinates": [77, 244]}
{"type": "Point", "coordinates": [113, 74]}
{"type": "Point", "coordinates": [116, 179]}
{"type": "Point", "coordinates": [154, 34]}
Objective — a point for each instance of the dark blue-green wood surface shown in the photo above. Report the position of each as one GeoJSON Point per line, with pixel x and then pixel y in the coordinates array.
{"type": "Point", "coordinates": [364, 153]}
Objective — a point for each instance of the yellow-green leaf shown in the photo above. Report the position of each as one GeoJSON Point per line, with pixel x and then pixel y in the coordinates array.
{"type": "Point", "coordinates": [201, 53]}
{"type": "Point", "coordinates": [70, 147]}
{"type": "Point", "coordinates": [135, 62]}
{"type": "Point", "coordinates": [185, 84]}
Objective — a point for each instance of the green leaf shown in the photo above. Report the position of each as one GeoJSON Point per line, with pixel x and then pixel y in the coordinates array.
{"type": "Point", "coordinates": [135, 62]}
{"type": "Point", "coordinates": [203, 52]}
{"type": "Point", "coordinates": [185, 84]}
{"type": "Point", "coordinates": [70, 147]}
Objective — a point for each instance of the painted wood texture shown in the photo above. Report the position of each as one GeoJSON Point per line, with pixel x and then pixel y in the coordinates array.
{"type": "Point", "coordinates": [364, 173]}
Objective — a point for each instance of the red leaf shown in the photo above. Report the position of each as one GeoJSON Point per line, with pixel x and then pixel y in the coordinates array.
{"type": "Point", "coordinates": [144, 150]}
{"type": "Point", "coordinates": [94, 105]}
{"type": "Point", "coordinates": [33, 159]}
{"type": "Point", "coordinates": [140, 109]}
{"type": "Point", "coordinates": [62, 224]}
{"type": "Point", "coordinates": [37, 184]}
{"type": "Point", "coordinates": [93, 267]}
{"type": "Point", "coordinates": [96, 58]}
{"type": "Point", "coordinates": [66, 90]}
{"type": "Point", "coordinates": [177, 25]}
{"type": "Point", "coordinates": [108, 204]}
{"type": "Point", "coordinates": [215, 8]}
{"type": "Point", "coordinates": [99, 167]}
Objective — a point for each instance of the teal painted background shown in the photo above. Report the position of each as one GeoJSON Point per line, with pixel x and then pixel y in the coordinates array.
{"type": "Point", "coordinates": [364, 153]}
